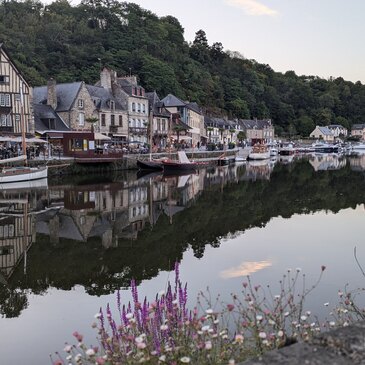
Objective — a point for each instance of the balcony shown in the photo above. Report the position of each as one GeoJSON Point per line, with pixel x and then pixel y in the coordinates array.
{"type": "Point", "coordinates": [113, 129]}
{"type": "Point", "coordinates": [137, 130]}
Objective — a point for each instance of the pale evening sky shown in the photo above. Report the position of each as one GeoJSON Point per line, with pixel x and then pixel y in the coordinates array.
{"type": "Point", "coordinates": [311, 37]}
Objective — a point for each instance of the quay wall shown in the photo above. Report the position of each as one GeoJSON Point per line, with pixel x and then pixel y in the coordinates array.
{"type": "Point", "coordinates": [67, 166]}
{"type": "Point", "coordinates": [343, 346]}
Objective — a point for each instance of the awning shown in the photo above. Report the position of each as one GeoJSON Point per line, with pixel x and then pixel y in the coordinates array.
{"type": "Point", "coordinates": [101, 137]}
{"type": "Point", "coordinates": [119, 135]}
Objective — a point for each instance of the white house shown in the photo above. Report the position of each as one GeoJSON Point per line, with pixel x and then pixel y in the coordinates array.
{"type": "Point", "coordinates": [323, 133]}
{"type": "Point", "coordinates": [338, 130]}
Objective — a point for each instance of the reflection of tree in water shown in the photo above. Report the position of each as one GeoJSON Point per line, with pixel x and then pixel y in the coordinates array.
{"type": "Point", "coordinates": [214, 215]}
{"type": "Point", "coordinates": [12, 301]}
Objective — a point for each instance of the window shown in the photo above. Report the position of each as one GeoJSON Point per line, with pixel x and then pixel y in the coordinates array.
{"type": "Point", "coordinates": [112, 119]}
{"type": "Point", "coordinates": [143, 108]}
{"type": "Point", "coordinates": [103, 120]}
{"type": "Point", "coordinates": [133, 107]}
{"type": "Point", "coordinates": [4, 79]}
{"type": "Point", "coordinates": [80, 103]}
{"type": "Point", "coordinates": [81, 119]}
{"type": "Point", "coordinates": [164, 125]}
{"type": "Point", "coordinates": [112, 105]}
{"type": "Point", "coordinates": [5, 120]}
{"type": "Point", "coordinates": [120, 121]}
{"type": "Point", "coordinates": [5, 100]}
{"type": "Point", "coordinates": [139, 108]}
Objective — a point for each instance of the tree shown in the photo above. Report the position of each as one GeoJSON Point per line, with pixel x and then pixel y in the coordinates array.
{"type": "Point", "coordinates": [241, 136]}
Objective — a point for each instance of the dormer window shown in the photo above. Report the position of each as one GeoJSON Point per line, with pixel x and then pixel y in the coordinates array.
{"type": "Point", "coordinates": [112, 105]}
{"type": "Point", "coordinates": [80, 104]}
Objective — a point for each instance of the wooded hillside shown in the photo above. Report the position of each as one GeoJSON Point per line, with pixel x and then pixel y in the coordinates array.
{"type": "Point", "coordinates": [70, 43]}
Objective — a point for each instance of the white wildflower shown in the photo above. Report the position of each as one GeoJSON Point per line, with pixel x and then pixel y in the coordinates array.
{"type": "Point", "coordinates": [185, 360]}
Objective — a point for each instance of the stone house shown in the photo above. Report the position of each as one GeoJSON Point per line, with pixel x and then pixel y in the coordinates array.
{"type": "Point", "coordinates": [71, 101]}
{"type": "Point", "coordinates": [358, 130]}
{"type": "Point", "coordinates": [161, 121]}
{"type": "Point", "coordinates": [258, 130]}
{"type": "Point", "coordinates": [323, 133]}
{"type": "Point", "coordinates": [132, 98]}
{"type": "Point", "coordinates": [112, 115]}
{"type": "Point", "coordinates": [190, 114]}
{"type": "Point", "coordinates": [15, 98]}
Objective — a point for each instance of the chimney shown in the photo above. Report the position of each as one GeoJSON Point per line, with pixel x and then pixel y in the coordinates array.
{"type": "Point", "coordinates": [132, 79]}
{"type": "Point", "coordinates": [106, 78]}
{"type": "Point", "coordinates": [51, 93]}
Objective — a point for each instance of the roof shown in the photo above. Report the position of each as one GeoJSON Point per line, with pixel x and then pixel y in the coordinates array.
{"type": "Point", "coordinates": [358, 126]}
{"type": "Point", "coordinates": [255, 124]}
{"type": "Point", "coordinates": [216, 122]}
{"type": "Point", "coordinates": [333, 126]}
{"type": "Point", "coordinates": [325, 130]}
{"type": "Point", "coordinates": [102, 97]}
{"type": "Point", "coordinates": [42, 113]}
{"type": "Point", "coordinates": [156, 105]}
{"type": "Point", "coordinates": [66, 95]}
{"type": "Point", "coordinates": [194, 107]}
{"type": "Point", "coordinates": [171, 100]}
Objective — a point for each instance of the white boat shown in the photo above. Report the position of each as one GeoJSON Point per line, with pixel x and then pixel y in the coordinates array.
{"type": "Point", "coordinates": [41, 183]}
{"type": "Point", "coordinates": [259, 152]}
{"type": "Point", "coordinates": [286, 149]}
{"type": "Point", "coordinates": [359, 146]}
{"type": "Point", "coordinates": [274, 151]}
{"type": "Point", "coordinates": [20, 174]}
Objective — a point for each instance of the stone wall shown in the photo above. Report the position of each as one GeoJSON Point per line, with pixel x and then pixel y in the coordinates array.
{"type": "Point", "coordinates": [343, 346]}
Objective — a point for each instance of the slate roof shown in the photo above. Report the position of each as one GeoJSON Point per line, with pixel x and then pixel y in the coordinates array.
{"type": "Point", "coordinates": [102, 98]}
{"type": "Point", "coordinates": [171, 101]}
{"type": "Point", "coordinates": [216, 122]}
{"type": "Point", "coordinates": [42, 113]}
{"type": "Point", "coordinates": [326, 131]}
{"type": "Point", "coordinates": [66, 95]}
{"type": "Point", "coordinates": [255, 124]}
{"type": "Point", "coordinates": [195, 107]}
{"type": "Point", "coordinates": [333, 126]}
{"type": "Point", "coordinates": [156, 105]}
{"type": "Point", "coordinates": [358, 126]}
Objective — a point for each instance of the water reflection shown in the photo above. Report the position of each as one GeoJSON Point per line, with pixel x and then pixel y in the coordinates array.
{"type": "Point", "coordinates": [100, 235]}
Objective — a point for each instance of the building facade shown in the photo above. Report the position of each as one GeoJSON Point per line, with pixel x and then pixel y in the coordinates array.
{"type": "Point", "coordinates": [15, 98]}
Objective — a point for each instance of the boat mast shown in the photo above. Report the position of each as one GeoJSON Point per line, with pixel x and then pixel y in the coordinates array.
{"type": "Point", "coordinates": [22, 123]}
{"type": "Point", "coordinates": [151, 131]}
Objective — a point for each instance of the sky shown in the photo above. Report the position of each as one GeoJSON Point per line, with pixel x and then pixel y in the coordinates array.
{"type": "Point", "coordinates": [311, 37]}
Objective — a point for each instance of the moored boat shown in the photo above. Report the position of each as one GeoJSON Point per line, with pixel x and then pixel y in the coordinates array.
{"type": "Point", "coordinates": [182, 164]}
{"type": "Point", "coordinates": [259, 152]}
{"type": "Point", "coordinates": [155, 165]}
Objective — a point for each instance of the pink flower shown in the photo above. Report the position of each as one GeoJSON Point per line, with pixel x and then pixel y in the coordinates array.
{"type": "Point", "coordinates": [57, 362]}
{"type": "Point", "coordinates": [78, 336]}
{"type": "Point", "coordinates": [230, 307]}
{"type": "Point", "coordinates": [100, 361]}
{"type": "Point", "coordinates": [245, 285]}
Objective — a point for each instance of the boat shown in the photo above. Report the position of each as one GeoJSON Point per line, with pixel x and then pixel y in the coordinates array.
{"type": "Point", "coordinates": [274, 151]}
{"type": "Point", "coordinates": [259, 152]}
{"type": "Point", "coordinates": [21, 173]}
{"type": "Point", "coordinates": [182, 164]}
{"type": "Point", "coordinates": [359, 146]}
{"type": "Point", "coordinates": [322, 147]}
{"type": "Point", "coordinates": [286, 149]}
{"type": "Point", "coordinates": [155, 165]}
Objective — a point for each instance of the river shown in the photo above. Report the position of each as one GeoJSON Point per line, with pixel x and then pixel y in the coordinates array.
{"type": "Point", "coordinates": [67, 245]}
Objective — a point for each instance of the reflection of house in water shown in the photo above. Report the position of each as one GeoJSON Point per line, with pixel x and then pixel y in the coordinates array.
{"type": "Point", "coordinates": [357, 163]}
{"type": "Point", "coordinates": [16, 236]}
{"type": "Point", "coordinates": [258, 170]}
{"type": "Point", "coordinates": [325, 162]}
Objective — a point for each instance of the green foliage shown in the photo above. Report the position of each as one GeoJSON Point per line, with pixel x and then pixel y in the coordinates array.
{"type": "Point", "coordinates": [70, 42]}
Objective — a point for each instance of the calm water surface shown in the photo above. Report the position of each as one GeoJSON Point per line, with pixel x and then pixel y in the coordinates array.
{"type": "Point", "coordinates": [65, 249]}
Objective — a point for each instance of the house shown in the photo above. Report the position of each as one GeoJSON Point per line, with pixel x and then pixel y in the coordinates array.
{"type": "Point", "coordinates": [257, 130]}
{"type": "Point", "coordinates": [15, 98]}
{"type": "Point", "coordinates": [112, 115]}
{"type": "Point", "coordinates": [190, 114]}
{"type": "Point", "coordinates": [219, 130]}
{"type": "Point", "coordinates": [338, 130]}
{"type": "Point", "coordinates": [70, 101]}
{"type": "Point", "coordinates": [161, 121]}
{"type": "Point", "coordinates": [132, 98]}
{"type": "Point", "coordinates": [323, 133]}
{"type": "Point", "coordinates": [358, 130]}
